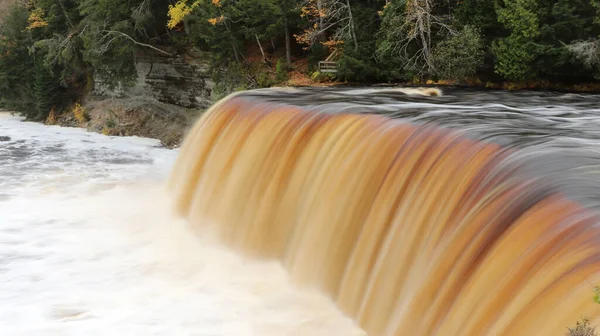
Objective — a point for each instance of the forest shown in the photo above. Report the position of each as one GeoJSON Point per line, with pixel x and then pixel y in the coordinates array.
{"type": "Point", "coordinates": [51, 50]}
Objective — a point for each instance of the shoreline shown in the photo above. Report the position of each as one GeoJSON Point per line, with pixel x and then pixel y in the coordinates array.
{"type": "Point", "coordinates": [588, 88]}
{"type": "Point", "coordinates": [133, 116]}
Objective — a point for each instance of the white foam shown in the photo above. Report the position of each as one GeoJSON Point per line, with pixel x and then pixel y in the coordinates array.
{"type": "Point", "coordinates": [88, 247]}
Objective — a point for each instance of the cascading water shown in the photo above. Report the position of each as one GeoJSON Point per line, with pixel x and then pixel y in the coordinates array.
{"type": "Point", "coordinates": [411, 228]}
{"type": "Point", "coordinates": [488, 219]}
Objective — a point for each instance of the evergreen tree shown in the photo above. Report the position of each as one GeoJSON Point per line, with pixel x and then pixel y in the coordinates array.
{"type": "Point", "coordinates": [515, 53]}
{"type": "Point", "coordinates": [16, 65]}
{"type": "Point", "coordinates": [459, 56]}
{"type": "Point", "coordinates": [45, 89]}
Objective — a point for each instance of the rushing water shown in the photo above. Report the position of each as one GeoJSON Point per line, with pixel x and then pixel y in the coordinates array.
{"type": "Point", "coordinates": [410, 227]}
{"type": "Point", "coordinates": [88, 245]}
{"type": "Point", "coordinates": [557, 134]}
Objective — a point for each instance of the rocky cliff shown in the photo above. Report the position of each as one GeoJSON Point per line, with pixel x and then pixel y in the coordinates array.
{"type": "Point", "coordinates": [178, 80]}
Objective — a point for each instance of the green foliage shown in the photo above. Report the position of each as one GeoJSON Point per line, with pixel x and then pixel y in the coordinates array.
{"type": "Point", "coordinates": [597, 294]}
{"type": "Point", "coordinates": [480, 14]}
{"type": "Point", "coordinates": [513, 58]}
{"type": "Point", "coordinates": [390, 50]}
{"type": "Point", "coordinates": [515, 53]}
{"type": "Point", "coordinates": [224, 30]}
{"type": "Point", "coordinates": [16, 65]}
{"type": "Point", "coordinates": [45, 89]}
{"type": "Point", "coordinates": [323, 77]}
{"type": "Point", "coordinates": [353, 66]}
{"type": "Point", "coordinates": [230, 79]}
{"type": "Point", "coordinates": [566, 24]}
{"type": "Point", "coordinates": [281, 70]}
{"type": "Point", "coordinates": [263, 80]}
{"type": "Point", "coordinates": [359, 63]}
{"type": "Point", "coordinates": [109, 53]}
{"type": "Point", "coordinates": [459, 56]}
{"type": "Point", "coordinates": [53, 49]}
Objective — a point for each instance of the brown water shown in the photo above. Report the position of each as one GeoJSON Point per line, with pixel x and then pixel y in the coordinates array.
{"type": "Point", "coordinates": [433, 216]}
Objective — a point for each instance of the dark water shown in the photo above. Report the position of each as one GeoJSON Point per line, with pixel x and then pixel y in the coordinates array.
{"type": "Point", "coordinates": [556, 135]}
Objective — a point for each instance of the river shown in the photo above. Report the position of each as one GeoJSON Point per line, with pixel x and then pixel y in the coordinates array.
{"type": "Point", "coordinates": [88, 245]}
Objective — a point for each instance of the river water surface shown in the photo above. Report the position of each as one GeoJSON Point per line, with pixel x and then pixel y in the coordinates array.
{"type": "Point", "coordinates": [88, 245]}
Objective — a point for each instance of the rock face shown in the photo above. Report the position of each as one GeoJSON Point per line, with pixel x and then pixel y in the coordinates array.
{"type": "Point", "coordinates": [176, 80]}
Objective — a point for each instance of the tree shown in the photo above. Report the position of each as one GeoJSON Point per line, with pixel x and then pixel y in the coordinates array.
{"type": "Point", "coordinates": [16, 65]}
{"type": "Point", "coordinates": [515, 53]}
{"type": "Point", "coordinates": [586, 51]}
{"type": "Point", "coordinates": [6, 6]}
{"type": "Point", "coordinates": [217, 26]}
{"type": "Point", "coordinates": [45, 89]}
{"type": "Point", "coordinates": [585, 45]}
{"type": "Point", "coordinates": [289, 13]}
{"type": "Point", "coordinates": [407, 33]}
{"type": "Point", "coordinates": [460, 55]}
{"type": "Point", "coordinates": [328, 16]}
{"type": "Point", "coordinates": [113, 30]}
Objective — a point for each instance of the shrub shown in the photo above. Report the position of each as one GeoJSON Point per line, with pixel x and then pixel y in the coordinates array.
{"type": "Point", "coordinates": [228, 79]}
{"type": "Point", "coordinates": [582, 328]}
{"type": "Point", "coordinates": [264, 80]}
{"type": "Point", "coordinates": [281, 70]}
{"type": "Point", "coordinates": [52, 117]}
{"type": "Point", "coordinates": [80, 114]}
{"type": "Point", "coordinates": [459, 56]}
{"type": "Point", "coordinates": [322, 77]}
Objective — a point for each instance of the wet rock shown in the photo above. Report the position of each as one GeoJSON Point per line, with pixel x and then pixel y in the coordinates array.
{"type": "Point", "coordinates": [4, 138]}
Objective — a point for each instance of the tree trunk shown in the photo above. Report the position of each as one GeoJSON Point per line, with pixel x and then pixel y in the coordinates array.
{"type": "Point", "coordinates": [320, 8]}
{"type": "Point", "coordinates": [235, 52]}
{"type": "Point", "coordinates": [352, 28]}
{"type": "Point", "coordinates": [261, 49]}
{"type": "Point", "coordinates": [232, 42]}
{"type": "Point", "coordinates": [288, 47]}
{"type": "Point", "coordinates": [186, 28]}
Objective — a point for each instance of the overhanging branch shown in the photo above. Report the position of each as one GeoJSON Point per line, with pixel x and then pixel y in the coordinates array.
{"type": "Point", "coordinates": [115, 32]}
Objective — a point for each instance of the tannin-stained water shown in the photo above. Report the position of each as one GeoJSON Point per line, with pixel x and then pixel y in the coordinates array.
{"type": "Point", "coordinates": [444, 216]}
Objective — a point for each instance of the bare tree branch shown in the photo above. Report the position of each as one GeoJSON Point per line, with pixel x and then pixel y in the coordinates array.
{"type": "Point", "coordinates": [587, 51]}
{"type": "Point", "coordinates": [326, 15]}
{"type": "Point", "coordinates": [416, 25]}
{"type": "Point", "coordinates": [121, 34]}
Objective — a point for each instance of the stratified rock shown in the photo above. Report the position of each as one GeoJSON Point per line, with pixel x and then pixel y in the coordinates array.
{"type": "Point", "coordinates": [176, 80]}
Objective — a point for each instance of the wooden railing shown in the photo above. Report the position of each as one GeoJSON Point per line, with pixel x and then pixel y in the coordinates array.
{"type": "Point", "coordinates": [325, 66]}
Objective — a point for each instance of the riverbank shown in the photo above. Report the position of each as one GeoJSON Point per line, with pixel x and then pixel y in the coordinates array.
{"type": "Point", "coordinates": [470, 84]}
{"type": "Point", "coordinates": [301, 78]}
{"type": "Point", "coordinates": [134, 116]}
{"type": "Point", "coordinates": [518, 86]}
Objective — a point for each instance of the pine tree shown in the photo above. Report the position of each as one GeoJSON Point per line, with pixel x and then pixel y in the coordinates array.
{"type": "Point", "coordinates": [45, 88]}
